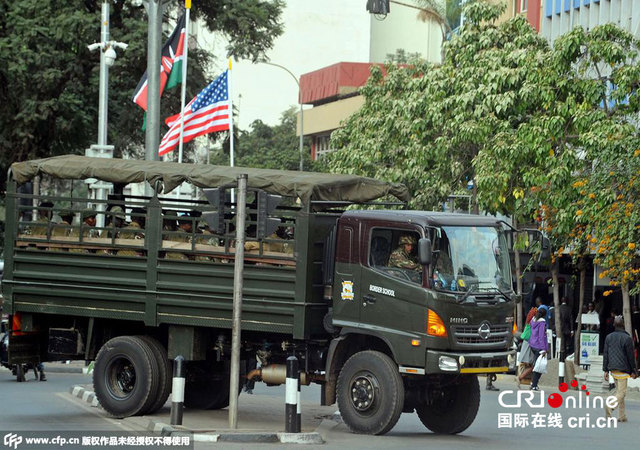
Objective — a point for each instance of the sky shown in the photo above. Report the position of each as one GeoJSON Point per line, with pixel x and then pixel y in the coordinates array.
{"type": "Point", "coordinates": [316, 35]}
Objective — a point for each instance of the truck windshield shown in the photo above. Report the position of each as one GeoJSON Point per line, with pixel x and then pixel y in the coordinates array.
{"type": "Point", "coordinates": [471, 258]}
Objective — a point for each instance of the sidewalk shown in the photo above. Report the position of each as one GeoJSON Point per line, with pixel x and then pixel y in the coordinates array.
{"type": "Point", "coordinates": [261, 418]}
{"type": "Point", "coordinates": [63, 367]}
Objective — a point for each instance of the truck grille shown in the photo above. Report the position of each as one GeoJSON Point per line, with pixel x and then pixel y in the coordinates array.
{"type": "Point", "coordinates": [471, 334]}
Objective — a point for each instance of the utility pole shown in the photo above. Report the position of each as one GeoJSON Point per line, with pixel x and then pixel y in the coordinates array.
{"type": "Point", "coordinates": [155, 9]}
{"type": "Point", "coordinates": [301, 144]}
{"type": "Point", "coordinates": [102, 150]}
{"type": "Point", "coordinates": [238, 283]}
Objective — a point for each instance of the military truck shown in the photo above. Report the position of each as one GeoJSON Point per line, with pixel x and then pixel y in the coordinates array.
{"type": "Point", "coordinates": [381, 339]}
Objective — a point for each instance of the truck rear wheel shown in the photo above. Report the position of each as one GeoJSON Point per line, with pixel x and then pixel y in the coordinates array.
{"type": "Point", "coordinates": [207, 385]}
{"type": "Point", "coordinates": [370, 393]}
{"type": "Point", "coordinates": [125, 376]}
{"type": "Point", "coordinates": [452, 409]}
{"type": "Point", "coordinates": [164, 374]}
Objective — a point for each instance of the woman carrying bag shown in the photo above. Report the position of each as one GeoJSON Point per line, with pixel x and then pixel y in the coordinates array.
{"type": "Point", "coordinates": [525, 355]}
{"type": "Point", "coordinates": [537, 346]}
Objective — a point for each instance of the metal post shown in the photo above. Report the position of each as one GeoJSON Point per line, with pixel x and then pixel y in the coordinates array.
{"type": "Point", "coordinates": [103, 103]}
{"type": "Point", "coordinates": [301, 132]}
{"type": "Point", "coordinates": [291, 396]}
{"type": "Point", "coordinates": [177, 391]}
{"type": "Point", "coordinates": [301, 145]}
{"type": "Point", "coordinates": [154, 46]}
{"type": "Point", "coordinates": [104, 77]}
{"type": "Point", "coordinates": [561, 358]}
{"type": "Point", "coordinates": [237, 301]}
{"type": "Point", "coordinates": [298, 407]}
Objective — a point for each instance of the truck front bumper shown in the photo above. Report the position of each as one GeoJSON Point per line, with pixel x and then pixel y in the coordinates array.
{"type": "Point", "coordinates": [442, 362]}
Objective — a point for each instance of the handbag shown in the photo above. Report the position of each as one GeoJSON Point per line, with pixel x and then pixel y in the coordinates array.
{"type": "Point", "coordinates": [525, 355]}
{"type": "Point", "coordinates": [541, 365]}
{"type": "Point", "coordinates": [526, 333]}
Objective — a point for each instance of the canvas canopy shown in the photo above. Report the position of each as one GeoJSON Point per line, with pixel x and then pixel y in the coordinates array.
{"type": "Point", "coordinates": [305, 185]}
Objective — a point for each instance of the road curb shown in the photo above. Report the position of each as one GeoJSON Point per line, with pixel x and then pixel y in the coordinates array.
{"type": "Point", "coordinates": [84, 395]}
{"type": "Point", "coordinates": [235, 436]}
{"type": "Point", "coordinates": [61, 368]}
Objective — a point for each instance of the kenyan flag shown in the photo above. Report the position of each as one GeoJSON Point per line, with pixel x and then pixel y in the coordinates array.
{"type": "Point", "coordinates": [172, 60]}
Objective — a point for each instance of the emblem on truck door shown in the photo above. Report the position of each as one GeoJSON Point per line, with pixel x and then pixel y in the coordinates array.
{"type": "Point", "coordinates": [484, 330]}
{"type": "Point", "coordinates": [347, 290]}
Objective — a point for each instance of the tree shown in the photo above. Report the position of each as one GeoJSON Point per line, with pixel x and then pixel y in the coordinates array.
{"type": "Point", "coordinates": [595, 126]}
{"type": "Point", "coordinates": [517, 120]}
{"type": "Point", "coordinates": [425, 125]}
{"type": "Point", "coordinates": [50, 79]}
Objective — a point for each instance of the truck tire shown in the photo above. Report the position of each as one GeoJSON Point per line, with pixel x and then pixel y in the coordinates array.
{"type": "Point", "coordinates": [206, 385]}
{"type": "Point", "coordinates": [165, 375]}
{"type": "Point", "coordinates": [370, 393]}
{"type": "Point", "coordinates": [125, 376]}
{"type": "Point", "coordinates": [453, 409]}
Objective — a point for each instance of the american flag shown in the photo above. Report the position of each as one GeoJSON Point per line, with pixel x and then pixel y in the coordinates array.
{"type": "Point", "coordinates": [207, 113]}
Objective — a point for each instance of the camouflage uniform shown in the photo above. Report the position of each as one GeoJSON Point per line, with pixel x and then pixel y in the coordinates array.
{"type": "Point", "coordinates": [400, 258]}
{"type": "Point", "coordinates": [131, 231]}
{"type": "Point", "coordinates": [281, 247]}
{"type": "Point", "coordinates": [40, 229]}
{"type": "Point", "coordinates": [181, 236]}
{"type": "Point", "coordinates": [115, 219]}
{"type": "Point", "coordinates": [87, 232]}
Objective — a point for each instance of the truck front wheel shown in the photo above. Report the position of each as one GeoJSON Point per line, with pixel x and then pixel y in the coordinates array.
{"type": "Point", "coordinates": [370, 393]}
{"type": "Point", "coordinates": [453, 408]}
{"type": "Point", "coordinates": [125, 376]}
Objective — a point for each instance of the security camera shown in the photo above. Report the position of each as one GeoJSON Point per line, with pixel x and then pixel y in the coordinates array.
{"type": "Point", "coordinates": [93, 47]}
{"type": "Point", "coordinates": [120, 45]}
{"type": "Point", "coordinates": [110, 56]}
{"type": "Point", "coordinates": [136, 3]}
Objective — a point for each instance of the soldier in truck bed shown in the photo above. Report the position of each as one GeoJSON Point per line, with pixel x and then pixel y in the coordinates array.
{"type": "Point", "coordinates": [404, 256]}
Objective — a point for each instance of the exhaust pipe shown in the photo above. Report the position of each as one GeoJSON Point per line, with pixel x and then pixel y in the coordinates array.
{"type": "Point", "coordinates": [277, 374]}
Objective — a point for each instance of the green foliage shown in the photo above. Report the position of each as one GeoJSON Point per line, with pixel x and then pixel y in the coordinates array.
{"type": "Point", "coordinates": [269, 147]}
{"type": "Point", "coordinates": [50, 79]}
{"type": "Point", "coordinates": [436, 128]}
{"type": "Point", "coordinates": [549, 134]}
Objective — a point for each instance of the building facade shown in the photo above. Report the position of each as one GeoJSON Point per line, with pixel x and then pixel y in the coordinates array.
{"type": "Point", "coordinates": [332, 90]}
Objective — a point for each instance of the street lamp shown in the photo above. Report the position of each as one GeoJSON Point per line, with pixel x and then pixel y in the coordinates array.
{"type": "Point", "coordinates": [263, 61]}
{"type": "Point", "coordinates": [107, 59]}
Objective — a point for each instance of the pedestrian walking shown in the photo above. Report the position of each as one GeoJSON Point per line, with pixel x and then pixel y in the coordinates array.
{"type": "Point", "coordinates": [537, 345]}
{"type": "Point", "coordinates": [525, 356]}
{"type": "Point", "coordinates": [566, 326]}
{"type": "Point", "coordinates": [618, 359]}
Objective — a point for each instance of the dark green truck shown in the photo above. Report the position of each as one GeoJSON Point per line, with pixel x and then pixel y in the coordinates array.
{"type": "Point", "coordinates": [379, 339]}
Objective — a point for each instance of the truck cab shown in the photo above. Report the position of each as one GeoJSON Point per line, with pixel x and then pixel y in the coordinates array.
{"type": "Point", "coordinates": [442, 309]}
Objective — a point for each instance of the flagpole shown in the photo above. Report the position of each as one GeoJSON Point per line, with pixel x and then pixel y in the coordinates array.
{"type": "Point", "coordinates": [231, 126]}
{"type": "Point", "coordinates": [183, 88]}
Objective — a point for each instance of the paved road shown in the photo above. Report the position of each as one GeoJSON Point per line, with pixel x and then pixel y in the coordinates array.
{"type": "Point", "coordinates": [48, 406]}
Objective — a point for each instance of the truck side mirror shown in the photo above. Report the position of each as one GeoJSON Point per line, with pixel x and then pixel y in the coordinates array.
{"type": "Point", "coordinates": [424, 251]}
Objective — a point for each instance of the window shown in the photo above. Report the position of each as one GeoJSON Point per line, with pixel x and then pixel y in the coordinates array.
{"type": "Point", "coordinates": [323, 145]}
{"type": "Point", "coordinates": [524, 5]}
{"type": "Point", "coordinates": [395, 252]}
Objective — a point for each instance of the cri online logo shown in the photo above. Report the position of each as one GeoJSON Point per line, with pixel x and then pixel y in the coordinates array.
{"type": "Point", "coordinates": [535, 399]}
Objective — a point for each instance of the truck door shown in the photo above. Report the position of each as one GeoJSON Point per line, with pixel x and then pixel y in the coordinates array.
{"type": "Point", "coordinates": [392, 294]}
{"type": "Point", "coordinates": [347, 291]}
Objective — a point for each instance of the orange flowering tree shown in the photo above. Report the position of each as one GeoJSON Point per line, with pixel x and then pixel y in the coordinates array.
{"type": "Point", "coordinates": [612, 208]}
{"type": "Point", "coordinates": [590, 134]}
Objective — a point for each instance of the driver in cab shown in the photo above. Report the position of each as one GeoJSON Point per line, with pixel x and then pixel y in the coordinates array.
{"type": "Point", "coordinates": [404, 257]}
